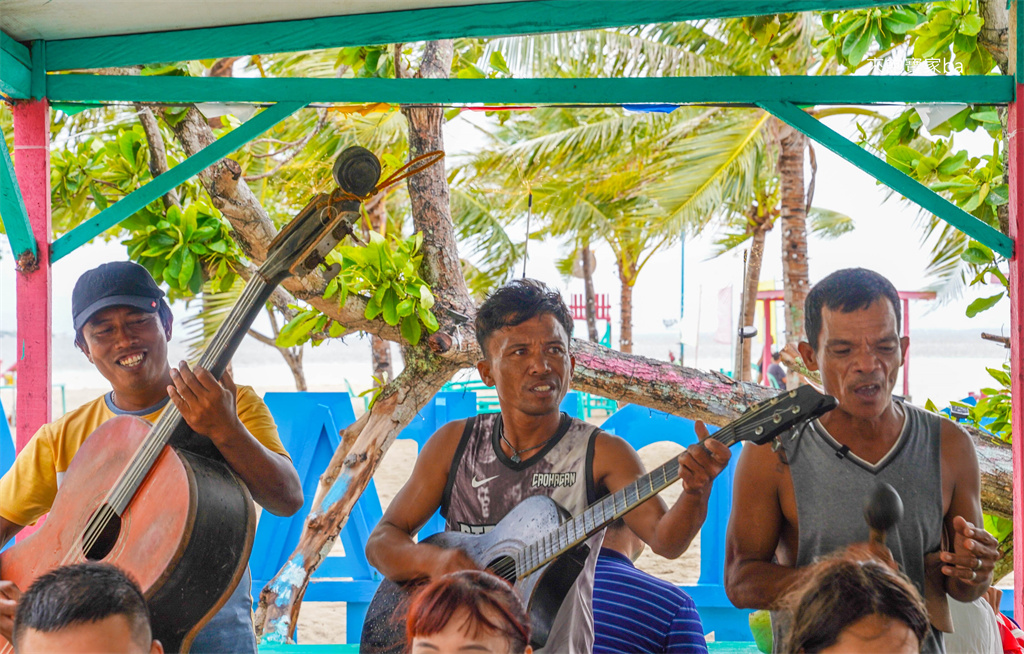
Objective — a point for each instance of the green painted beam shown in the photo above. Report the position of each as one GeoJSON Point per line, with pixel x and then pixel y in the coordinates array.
{"type": "Point", "coordinates": [198, 162]}
{"type": "Point", "coordinates": [15, 68]}
{"type": "Point", "coordinates": [891, 177]}
{"type": "Point", "coordinates": [487, 20]}
{"type": "Point", "coordinates": [847, 89]}
{"type": "Point", "coordinates": [38, 85]}
{"type": "Point", "coordinates": [12, 207]}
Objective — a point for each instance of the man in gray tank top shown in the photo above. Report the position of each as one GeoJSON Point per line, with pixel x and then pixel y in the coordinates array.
{"type": "Point", "coordinates": [477, 470]}
{"type": "Point", "coordinates": [803, 497]}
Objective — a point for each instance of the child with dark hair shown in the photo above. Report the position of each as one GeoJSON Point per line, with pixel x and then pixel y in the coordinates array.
{"type": "Point", "coordinates": [88, 607]}
{"type": "Point", "coordinates": [846, 605]}
{"type": "Point", "coordinates": [468, 610]}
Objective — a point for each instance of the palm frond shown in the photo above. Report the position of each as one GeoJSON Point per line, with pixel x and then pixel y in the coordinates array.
{"type": "Point", "coordinates": [213, 307]}
{"type": "Point", "coordinates": [706, 168]}
{"type": "Point", "coordinates": [829, 224]}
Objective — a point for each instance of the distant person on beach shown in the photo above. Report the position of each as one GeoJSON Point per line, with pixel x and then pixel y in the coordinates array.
{"type": "Point", "coordinates": [847, 606]}
{"type": "Point", "coordinates": [776, 372]}
{"type": "Point", "coordinates": [122, 325]}
{"type": "Point", "coordinates": [478, 469]}
{"type": "Point", "coordinates": [635, 611]}
{"type": "Point", "coordinates": [468, 611]}
{"type": "Point", "coordinates": [84, 609]}
{"type": "Point", "coordinates": [802, 497]}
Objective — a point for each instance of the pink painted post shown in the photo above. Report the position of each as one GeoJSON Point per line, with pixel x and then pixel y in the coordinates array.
{"type": "Point", "coordinates": [32, 166]}
{"type": "Point", "coordinates": [1016, 157]}
{"type": "Point", "coordinates": [766, 354]}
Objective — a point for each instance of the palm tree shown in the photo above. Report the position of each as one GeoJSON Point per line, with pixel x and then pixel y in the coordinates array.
{"type": "Point", "coordinates": [634, 181]}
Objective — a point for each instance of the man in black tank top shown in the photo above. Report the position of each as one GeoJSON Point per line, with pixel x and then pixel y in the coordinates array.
{"type": "Point", "coordinates": [477, 470]}
{"type": "Point", "coordinates": [802, 497]}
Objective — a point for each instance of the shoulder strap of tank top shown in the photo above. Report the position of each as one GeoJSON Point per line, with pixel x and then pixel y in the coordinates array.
{"type": "Point", "coordinates": [454, 467]}
{"type": "Point", "coordinates": [591, 484]}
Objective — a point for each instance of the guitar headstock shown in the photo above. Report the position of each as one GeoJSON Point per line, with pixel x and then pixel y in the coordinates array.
{"type": "Point", "coordinates": [766, 420]}
{"type": "Point", "coordinates": [325, 220]}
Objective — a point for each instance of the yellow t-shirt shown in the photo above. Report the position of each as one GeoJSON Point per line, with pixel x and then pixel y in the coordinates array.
{"type": "Point", "coordinates": [29, 487]}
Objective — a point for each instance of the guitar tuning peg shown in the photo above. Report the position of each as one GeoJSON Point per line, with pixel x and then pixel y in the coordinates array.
{"type": "Point", "coordinates": [331, 272]}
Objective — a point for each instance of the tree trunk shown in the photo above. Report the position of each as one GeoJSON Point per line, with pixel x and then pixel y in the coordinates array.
{"type": "Point", "coordinates": [588, 292]}
{"type": "Point", "coordinates": [995, 33]}
{"type": "Point", "coordinates": [380, 350]}
{"type": "Point", "coordinates": [747, 311]}
{"type": "Point", "coordinates": [795, 275]}
{"type": "Point", "coordinates": [627, 275]}
{"type": "Point", "coordinates": [350, 470]}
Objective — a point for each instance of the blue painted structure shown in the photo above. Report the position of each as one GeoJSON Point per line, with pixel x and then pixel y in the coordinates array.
{"type": "Point", "coordinates": [641, 426]}
{"type": "Point", "coordinates": [309, 425]}
{"type": "Point", "coordinates": [7, 452]}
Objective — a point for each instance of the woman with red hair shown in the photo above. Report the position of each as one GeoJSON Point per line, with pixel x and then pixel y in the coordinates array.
{"type": "Point", "coordinates": [468, 611]}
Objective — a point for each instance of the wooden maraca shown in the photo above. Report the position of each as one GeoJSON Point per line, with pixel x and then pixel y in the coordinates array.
{"type": "Point", "coordinates": [883, 510]}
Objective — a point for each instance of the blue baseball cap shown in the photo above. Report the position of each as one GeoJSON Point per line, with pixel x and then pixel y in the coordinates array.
{"type": "Point", "coordinates": [119, 283]}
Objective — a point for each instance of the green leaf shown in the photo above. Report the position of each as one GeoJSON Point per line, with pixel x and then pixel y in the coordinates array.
{"type": "Point", "coordinates": [428, 319]}
{"type": "Point", "coordinates": [406, 307]}
{"type": "Point", "coordinates": [220, 247]}
{"type": "Point", "coordinates": [470, 71]}
{"type": "Point", "coordinates": [188, 266]}
{"type": "Point", "coordinates": [426, 297]}
{"type": "Point", "coordinates": [971, 24]}
{"type": "Point", "coordinates": [98, 199]}
{"type": "Point", "coordinates": [297, 329]}
{"type": "Point", "coordinates": [373, 309]}
{"type": "Point", "coordinates": [174, 265]}
{"type": "Point", "coordinates": [336, 329]}
{"type": "Point", "coordinates": [390, 307]}
{"type": "Point", "coordinates": [498, 63]}
{"type": "Point", "coordinates": [986, 116]}
{"type": "Point", "coordinates": [983, 304]}
{"type": "Point", "coordinates": [977, 256]}
{"type": "Point", "coordinates": [411, 330]}
{"type": "Point", "coordinates": [856, 45]}
{"type": "Point", "coordinates": [195, 283]}
{"type": "Point", "coordinates": [950, 165]}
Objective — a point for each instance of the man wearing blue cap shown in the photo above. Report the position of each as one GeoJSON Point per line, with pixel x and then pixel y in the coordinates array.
{"type": "Point", "coordinates": [122, 324]}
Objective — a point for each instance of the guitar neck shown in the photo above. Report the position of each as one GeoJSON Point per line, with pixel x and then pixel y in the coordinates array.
{"type": "Point", "coordinates": [216, 358]}
{"type": "Point", "coordinates": [600, 514]}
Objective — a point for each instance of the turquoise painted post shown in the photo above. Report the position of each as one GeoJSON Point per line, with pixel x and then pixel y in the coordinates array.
{"type": "Point", "coordinates": [198, 162]}
{"type": "Point", "coordinates": [12, 208]}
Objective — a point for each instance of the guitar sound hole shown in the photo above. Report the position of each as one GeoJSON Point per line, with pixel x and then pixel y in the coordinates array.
{"type": "Point", "coordinates": [504, 567]}
{"type": "Point", "coordinates": [103, 543]}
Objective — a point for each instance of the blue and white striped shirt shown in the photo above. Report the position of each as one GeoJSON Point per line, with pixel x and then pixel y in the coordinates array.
{"type": "Point", "coordinates": [637, 612]}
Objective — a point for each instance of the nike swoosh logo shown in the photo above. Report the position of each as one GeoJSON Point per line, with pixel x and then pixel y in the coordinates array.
{"type": "Point", "coordinates": [477, 483]}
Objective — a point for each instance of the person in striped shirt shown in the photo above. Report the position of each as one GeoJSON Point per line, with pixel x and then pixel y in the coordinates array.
{"type": "Point", "coordinates": [635, 611]}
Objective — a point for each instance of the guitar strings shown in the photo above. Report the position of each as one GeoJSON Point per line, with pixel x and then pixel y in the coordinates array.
{"type": "Point", "coordinates": [142, 461]}
{"type": "Point", "coordinates": [726, 435]}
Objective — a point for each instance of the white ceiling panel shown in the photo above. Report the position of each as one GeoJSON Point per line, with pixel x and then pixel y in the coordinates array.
{"type": "Point", "coordinates": [51, 20]}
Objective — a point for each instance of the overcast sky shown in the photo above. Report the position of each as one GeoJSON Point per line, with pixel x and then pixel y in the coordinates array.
{"type": "Point", "coordinates": [886, 239]}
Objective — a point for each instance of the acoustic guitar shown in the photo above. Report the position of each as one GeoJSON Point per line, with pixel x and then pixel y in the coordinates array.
{"type": "Point", "coordinates": [540, 549]}
{"type": "Point", "coordinates": [158, 501]}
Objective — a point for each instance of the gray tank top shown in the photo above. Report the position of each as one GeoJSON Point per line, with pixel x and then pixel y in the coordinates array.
{"type": "Point", "coordinates": [484, 485]}
{"type": "Point", "coordinates": [831, 485]}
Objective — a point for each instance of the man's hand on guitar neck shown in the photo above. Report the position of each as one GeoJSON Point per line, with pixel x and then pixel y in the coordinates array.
{"type": "Point", "coordinates": [208, 406]}
{"type": "Point", "coordinates": [9, 596]}
{"type": "Point", "coordinates": [701, 462]}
